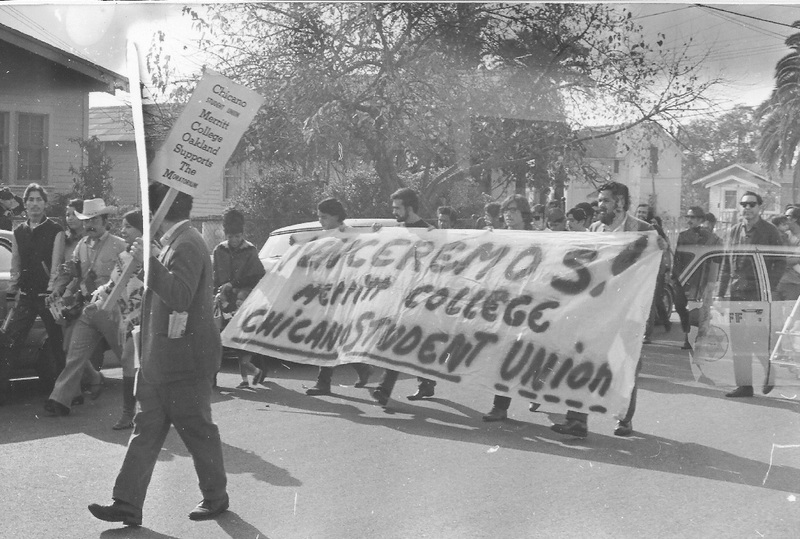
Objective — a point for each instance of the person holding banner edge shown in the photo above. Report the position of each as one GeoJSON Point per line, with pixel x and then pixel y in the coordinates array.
{"type": "Point", "coordinates": [180, 354]}
{"type": "Point", "coordinates": [331, 216]}
{"type": "Point", "coordinates": [405, 203]}
{"type": "Point", "coordinates": [517, 215]}
{"type": "Point", "coordinates": [613, 202]}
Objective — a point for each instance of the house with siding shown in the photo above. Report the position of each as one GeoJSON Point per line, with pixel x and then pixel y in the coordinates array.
{"type": "Point", "coordinates": [726, 186]}
{"type": "Point", "coordinates": [113, 127]}
{"type": "Point", "coordinates": [44, 102]}
{"type": "Point", "coordinates": [645, 158]}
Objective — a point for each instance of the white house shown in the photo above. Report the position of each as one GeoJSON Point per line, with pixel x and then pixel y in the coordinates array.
{"type": "Point", "coordinates": [645, 158]}
{"type": "Point", "coordinates": [726, 186]}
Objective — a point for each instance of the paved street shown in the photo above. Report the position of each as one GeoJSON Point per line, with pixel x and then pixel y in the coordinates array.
{"type": "Point", "coordinates": [698, 465]}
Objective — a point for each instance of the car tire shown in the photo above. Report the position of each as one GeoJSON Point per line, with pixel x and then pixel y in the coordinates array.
{"type": "Point", "coordinates": [667, 299]}
{"type": "Point", "coordinates": [5, 382]}
{"type": "Point", "coordinates": [46, 367]}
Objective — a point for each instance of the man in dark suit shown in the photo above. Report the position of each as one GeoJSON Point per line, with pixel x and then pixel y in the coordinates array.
{"type": "Point", "coordinates": [613, 202]}
{"type": "Point", "coordinates": [180, 353]}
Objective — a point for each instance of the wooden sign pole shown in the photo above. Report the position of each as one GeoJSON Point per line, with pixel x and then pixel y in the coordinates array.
{"type": "Point", "coordinates": [141, 156]}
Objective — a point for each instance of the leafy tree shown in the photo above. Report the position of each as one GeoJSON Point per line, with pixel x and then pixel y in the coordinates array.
{"type": "Point", "coordinates": [398, 84]}
{"type": "Point", "coordinates": [92, 179]}
{"type": "Point", "coordinates": [711, 144]}
{"type": "Point", "coordinates": [714, 143]}
{"type": "Point", "coordinates": [281, 196]}
{"type": "Point", "coordinates": [779, 115]}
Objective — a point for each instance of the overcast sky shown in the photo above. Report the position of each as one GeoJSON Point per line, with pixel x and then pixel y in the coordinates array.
{"type": "Point", "coordinates": [740, 48]}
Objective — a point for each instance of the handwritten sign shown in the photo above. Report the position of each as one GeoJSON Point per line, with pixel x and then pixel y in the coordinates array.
{"type": "Point", "coordinates": [557, 318]}
{"type": "Point", "coordinates": [205, 135]}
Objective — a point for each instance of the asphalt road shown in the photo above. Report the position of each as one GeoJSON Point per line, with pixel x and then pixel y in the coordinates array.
{"type": "Point", "coordinates": [698, 465]}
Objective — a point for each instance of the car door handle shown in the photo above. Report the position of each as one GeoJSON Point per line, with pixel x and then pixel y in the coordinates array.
{"type": "Point", "coordinates": [757, 311]}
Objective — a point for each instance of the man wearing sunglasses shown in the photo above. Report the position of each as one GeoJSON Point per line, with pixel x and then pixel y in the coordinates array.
{"type": "Point", "coordinates": [739, 279]}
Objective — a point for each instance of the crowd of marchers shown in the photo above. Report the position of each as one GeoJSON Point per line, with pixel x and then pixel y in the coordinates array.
{"type": "Point", "coordinates": [167, 334]}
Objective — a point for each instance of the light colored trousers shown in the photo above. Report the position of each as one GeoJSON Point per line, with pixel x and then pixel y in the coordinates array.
{"type": "Point", "coordinates": [92, 326]}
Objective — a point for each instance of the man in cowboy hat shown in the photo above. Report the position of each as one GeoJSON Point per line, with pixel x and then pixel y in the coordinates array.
{"type": "Point", "coordinates": [36, 254]}
{"type": "Point", "coordinates": [10, 205]}
{"type": "Point", "coordinates": [91, 265]}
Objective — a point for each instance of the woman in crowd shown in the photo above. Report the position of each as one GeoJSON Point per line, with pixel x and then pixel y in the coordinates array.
{"type": "Point", "coordinates": [517, 215]}
{"type": "Point", "coordinates": [129, 305]}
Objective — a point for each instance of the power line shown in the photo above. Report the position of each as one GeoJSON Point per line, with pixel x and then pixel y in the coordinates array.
{"type": "Point", "coordinates": [724, 15]}
{"type": "Point", "coordinates": [662, 12]}
{"type": "Point", "coordinates": [747, 16]}
{"type": "Point", "coordinates": [32, 24]}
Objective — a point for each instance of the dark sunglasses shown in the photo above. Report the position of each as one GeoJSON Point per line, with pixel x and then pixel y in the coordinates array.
{"type": "Point", "coordinates": [536, 218]}
{"type": "Point", "coordinates": [748, 204]}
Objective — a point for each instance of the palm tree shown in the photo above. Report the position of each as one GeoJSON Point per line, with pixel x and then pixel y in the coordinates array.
{"type": "Point", "coordinates": [779, 115]}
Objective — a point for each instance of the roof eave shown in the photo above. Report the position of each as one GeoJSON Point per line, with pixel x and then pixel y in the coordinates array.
{"type": "Point", "coordinates": [111, 80]}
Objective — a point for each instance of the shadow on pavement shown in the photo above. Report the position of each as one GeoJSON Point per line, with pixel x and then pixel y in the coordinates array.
{"type": "Point", "coordinates": [463, 424]}
{"type": "Point", "coordinates": [139, 533]}
{"type": "Point", "coordinates": [233, 525]}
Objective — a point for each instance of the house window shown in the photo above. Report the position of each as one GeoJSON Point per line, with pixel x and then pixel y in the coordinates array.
{"type": "Point", "coordinates": [4, 148]}
{"type": "Point", "coordinates": [31, 148]}
{"type": "Point", "coordinates": [616, 166]}
{"type": "Point", "coordinates": [730, 200]}
{"type": "Point", "coordinates": [230, 182]}
{"type": "Point", "coordinates": [653, 160]}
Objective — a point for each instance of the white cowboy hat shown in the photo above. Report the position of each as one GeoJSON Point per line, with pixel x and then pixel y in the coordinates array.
{"type": "Point", "coordinates": [94, 207]}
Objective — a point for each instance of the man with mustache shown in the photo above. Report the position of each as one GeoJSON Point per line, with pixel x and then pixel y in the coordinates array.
{"type": "Point", "coordinates": [91, 265]}
{"type": "Point", "coordinates": [613, 202]}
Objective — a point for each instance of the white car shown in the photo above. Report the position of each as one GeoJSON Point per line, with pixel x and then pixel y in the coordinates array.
{"type": "Point", "coordinates": [744, 326]}
{"type": "Point", "coordinates": [279, 241]}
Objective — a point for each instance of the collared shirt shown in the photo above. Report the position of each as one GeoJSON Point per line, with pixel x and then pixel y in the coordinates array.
{"type": "Point", "coordinates": [97, 255]}
{"type": "Point", "coordinates": [167, 238]}
{"type": "Point", "coordinates": [599, 226]}
{"type": "Point", "coordinates": [738, 271]}
{"type": "Point", "coordinates": [240, 267]}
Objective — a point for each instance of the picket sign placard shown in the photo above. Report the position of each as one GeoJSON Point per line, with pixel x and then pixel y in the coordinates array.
{"type": "Point", "coordinates": [552, 317]}
{"type": "Point", "coordinates": [194, 155]}
{"type": "Point", "coordinates": [205, 135]}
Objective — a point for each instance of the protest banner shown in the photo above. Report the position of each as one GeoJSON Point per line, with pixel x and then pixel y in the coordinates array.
{"type": "Point", "coordinates": [556, 318]}
{"type": "Point", "coordinates": [199, 144]}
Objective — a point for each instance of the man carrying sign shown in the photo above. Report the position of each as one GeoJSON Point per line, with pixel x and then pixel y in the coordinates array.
{"type": "Point", "coordinates": [613, 202]}
{"type": "Point", "coordinates": [180, 354]}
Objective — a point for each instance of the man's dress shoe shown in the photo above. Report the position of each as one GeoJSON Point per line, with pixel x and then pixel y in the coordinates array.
{"type": "Point", "coordinates": [117, 512]}
{"type": "Point", "coordinates": [208, 509]}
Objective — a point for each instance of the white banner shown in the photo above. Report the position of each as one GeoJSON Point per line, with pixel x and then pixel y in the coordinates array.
{"type": "Point", "coordinates": [553, 317]}
{"type": "Point", "coordinates": [205, 135]}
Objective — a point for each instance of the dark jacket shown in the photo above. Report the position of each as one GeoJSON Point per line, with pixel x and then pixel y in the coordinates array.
{"type": "Point", "coordinates": [240, 267]}
{"type": "Point", "coordinates": [180, 280]}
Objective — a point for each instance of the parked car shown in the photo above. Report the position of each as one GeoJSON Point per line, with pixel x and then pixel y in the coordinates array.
{"type": "Point", "coordinates": [748, 326]}
{"type": "Point", "coordinates": [279, 241]}
{"type": "Point", "coordinates": [35, 359]}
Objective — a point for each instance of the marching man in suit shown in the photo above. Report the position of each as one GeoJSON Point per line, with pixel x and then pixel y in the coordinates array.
{"type": "Point", "coordinates": [180, 353]}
